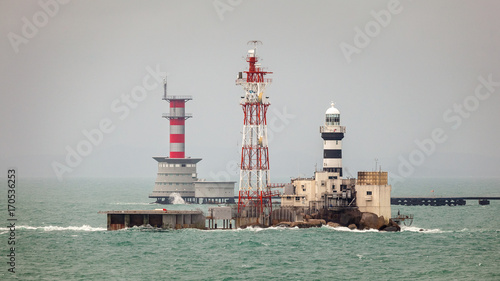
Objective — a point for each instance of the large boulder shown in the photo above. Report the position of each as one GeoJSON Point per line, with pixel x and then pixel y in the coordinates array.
{"type": "Point", "coordinates": [284, 224]}
{"type": "Point", "coordinates": [350, 217]}
{"type": "Point", "coordinates": [391, 227]}
{"type": "Point", "coordinates": [304, 224]}
{"type": "Point", "coordinates": [352, 226]}
{"type": "Point", "coordinates": [371, 220]}
{"type": "Point", "coordinates": [333, 224]}
{"type": "Point", "coordinates": [317, 221]}
{"type": "Point", "coordinates": [254, 225]}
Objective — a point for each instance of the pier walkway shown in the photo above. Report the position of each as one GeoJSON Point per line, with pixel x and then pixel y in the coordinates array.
{"type": "Point", "coordinates": [440, 201]}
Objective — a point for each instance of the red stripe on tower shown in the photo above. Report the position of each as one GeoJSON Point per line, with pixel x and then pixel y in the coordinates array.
{"type": "Point", "coordinates": [177, 154]}
{"type": "Point", "coordinates": [178, 103]}
{"type": "Point", "coordinates": [177, 138]}
{"type": "Point", "coordinates": [177, 122]}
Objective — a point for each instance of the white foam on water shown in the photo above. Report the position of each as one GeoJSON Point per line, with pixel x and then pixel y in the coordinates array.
{"type": "Point", "coordinates": [257, 229]}
{"type": "Point", "coordinates": [346, 229]}
{"type": "Point", "coordinates": [250, 228]}
{"type": "Point", "coordinates": [131, 203]}
{"type": "Point", "coordinates": [62, 228]}
{"type": "Point", "coordinates": [27, 227]}
{"type": "Point", "coordinates": [418, 229]}
{"type": "Point", "coordinates": [176, 199]}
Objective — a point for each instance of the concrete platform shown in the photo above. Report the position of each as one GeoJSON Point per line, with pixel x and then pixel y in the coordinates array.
{"type": "Point", "coordinates": [165, 219]}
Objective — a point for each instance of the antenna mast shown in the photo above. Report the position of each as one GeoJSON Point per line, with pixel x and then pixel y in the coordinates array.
{"type": "Point", "coordinates": [165, 88]}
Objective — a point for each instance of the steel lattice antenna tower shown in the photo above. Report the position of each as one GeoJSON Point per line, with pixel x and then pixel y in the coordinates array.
{"type": "Point", "coordinates": [254, 170]}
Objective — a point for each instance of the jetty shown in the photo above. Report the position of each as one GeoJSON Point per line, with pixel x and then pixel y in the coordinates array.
{"type": "Point", "coordinates": [440, 201]}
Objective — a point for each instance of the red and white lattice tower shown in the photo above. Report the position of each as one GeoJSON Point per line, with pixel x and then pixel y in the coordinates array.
{"type": "Point", "coordinates": [254, 172]}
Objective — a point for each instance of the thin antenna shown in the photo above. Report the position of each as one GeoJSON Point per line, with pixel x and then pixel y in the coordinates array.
{"type": "Point", "coordinates": [255, 43]}
{"type": "Point", "coordinates": [165, 88]}
{"type": "Point", "coordinates": [348, 173]}
{"type": "Point", "coordinates": [376, 164]}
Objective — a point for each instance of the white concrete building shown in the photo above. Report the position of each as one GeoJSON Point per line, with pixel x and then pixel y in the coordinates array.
{"type": "Point", "coordinates": [373, 194]}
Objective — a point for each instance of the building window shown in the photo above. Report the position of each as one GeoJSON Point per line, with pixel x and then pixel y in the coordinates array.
{"type": "Point", "coordinates": [368, 193]}
{"type": "Point", "coordinates": [297, 198]}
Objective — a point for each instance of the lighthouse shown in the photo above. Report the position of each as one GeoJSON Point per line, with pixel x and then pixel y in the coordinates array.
{"type": "Point", "coordinates": [176, 174]}
{"type": "Point", "coordinates": [332, 134]}
{"type": "Point", "coordinates": [254, 190]}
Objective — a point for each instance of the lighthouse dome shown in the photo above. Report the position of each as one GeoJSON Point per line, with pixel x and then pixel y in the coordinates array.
{"type": "Point", "coordinates": [332, 116]}
{"type": "Point", "coordinates": [332, 110]}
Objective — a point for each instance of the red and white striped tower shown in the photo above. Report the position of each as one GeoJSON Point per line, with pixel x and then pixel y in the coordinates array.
{"type": "Point", "coordinates": [177, 117]}
{"type": "Point", "coordinates": [254, 170]}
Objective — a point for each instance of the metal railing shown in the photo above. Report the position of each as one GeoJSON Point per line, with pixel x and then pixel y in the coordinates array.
{"type": "Point", "coordinates": [185, 116]}
{"type": "Point", "coordinates": [327, 129]}
{"type": "Point", "coordinates": [244, 80]}
{"type": "Point", "coordinates": [178, 98]}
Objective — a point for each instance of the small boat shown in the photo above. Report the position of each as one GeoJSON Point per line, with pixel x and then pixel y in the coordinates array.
{"type": "Point", "coordinates": [484, 202]}
{"type": "Point", "coordinates": [402, 219]}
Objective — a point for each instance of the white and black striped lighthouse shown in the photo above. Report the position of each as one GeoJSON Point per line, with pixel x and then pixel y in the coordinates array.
{"type": "Point", "coordinates": [332, 134]}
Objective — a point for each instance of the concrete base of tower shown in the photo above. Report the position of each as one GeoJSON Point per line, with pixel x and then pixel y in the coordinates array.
{"type": "Point", "coordinates": [244, 222]}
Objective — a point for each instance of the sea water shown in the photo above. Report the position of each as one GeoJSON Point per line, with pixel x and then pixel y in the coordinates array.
{"type": "Point", "coordinates": [59, 235]}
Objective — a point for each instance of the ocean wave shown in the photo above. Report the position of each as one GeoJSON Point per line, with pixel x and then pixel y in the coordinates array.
{"type": "Point", "coordinates": [255, 229]}
{"type": "Point", "coordinates": [280, 228]}
{"type": "Point", "coordinates": [131, 203]}
{"type": "Point", "coordinates": [418, 229]}
{"type": "Point", "coordinates": [60, 228]}
{"type": "Point", "coordinates": [176, 199]}
{"type": "Point", "coordinates": [345, 229]}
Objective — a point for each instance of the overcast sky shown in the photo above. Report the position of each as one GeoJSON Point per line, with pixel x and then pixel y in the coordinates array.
{"type": "Point", "coordinates": [397, 80]}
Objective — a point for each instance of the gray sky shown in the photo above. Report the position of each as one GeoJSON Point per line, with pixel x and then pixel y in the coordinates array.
{"type": "Point", "coordinates": [396, 89]}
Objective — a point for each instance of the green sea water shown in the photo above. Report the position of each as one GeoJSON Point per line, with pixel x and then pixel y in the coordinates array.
{"type": "Point", "coordinates": [60, 236]}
